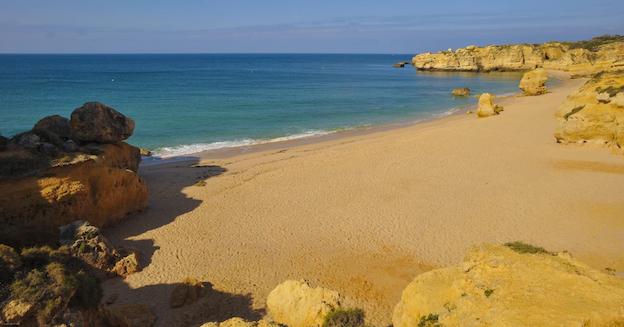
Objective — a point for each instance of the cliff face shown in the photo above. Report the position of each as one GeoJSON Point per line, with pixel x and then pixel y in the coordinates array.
{"type": "Point", "coordinates": [595, 113]}
{"type": "Point", "coordinates": [512, 286]}
{"type": "Point", "coordinates": [553, 55]}
{"type": "Point", "coordinates": [49, 178]}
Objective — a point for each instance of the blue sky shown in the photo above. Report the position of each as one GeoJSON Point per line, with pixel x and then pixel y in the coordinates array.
{"type": "Point", "coordinates": [322, 26]}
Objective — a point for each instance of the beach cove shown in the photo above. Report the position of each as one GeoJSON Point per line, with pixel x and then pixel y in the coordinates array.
{"type": "Point", "coordinates": [364, 213]}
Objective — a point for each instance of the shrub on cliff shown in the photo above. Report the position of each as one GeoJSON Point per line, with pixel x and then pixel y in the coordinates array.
{"type": "Point", "coordinates": [596, 42]}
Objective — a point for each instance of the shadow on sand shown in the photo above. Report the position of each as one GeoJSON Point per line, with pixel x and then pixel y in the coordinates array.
{"type": "Point", "coordinates": [167, 201]}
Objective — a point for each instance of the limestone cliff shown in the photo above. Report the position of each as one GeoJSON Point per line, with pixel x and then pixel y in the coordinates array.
{"type": "Point", "coordinates": [575, 58]}
{"type": "Point", "coordinates": [595, 113]}
{"type": "Point", "coordinates": [49, 177]}
{"type": "Point", "coordinates": [514, 285]}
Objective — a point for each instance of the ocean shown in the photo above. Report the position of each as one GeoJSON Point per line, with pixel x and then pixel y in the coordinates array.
{"type": "Point", "coordinates": [186, 103]}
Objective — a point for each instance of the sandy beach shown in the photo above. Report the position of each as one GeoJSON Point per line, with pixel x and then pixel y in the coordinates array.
{"type": "Point", "coordinates": [364, 213]}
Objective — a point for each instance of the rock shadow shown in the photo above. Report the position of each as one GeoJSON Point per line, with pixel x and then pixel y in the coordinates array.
{"type": "Point", "coordinates": [213, 306]}
{"type": "Point", "coordinates": [167, 201]}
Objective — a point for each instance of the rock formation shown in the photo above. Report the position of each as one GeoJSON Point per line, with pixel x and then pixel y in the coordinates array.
{"type": "Point", "coordinates": [87, 243]}
{"type": "Point", "coordinates": [55, 174]}
{"type": "Point", "coordinates": [514, 285]}
{"type": "Point", "coordinates": [96, 122]}
{"type": "Point", "coordinates": [487, 107]}
{"type": "Point", "coordinates": [578, 58]}
{"type": "Point", "coordinates": [296, 304]}
{"type": "Point", "coordinates": [534, 82]}
{"type": "Point", "coordinates": [461, 92]}
{"type": "Point", "coordinates": [595, 113]}
{"type": "Point", "coordinates": [188, 292]}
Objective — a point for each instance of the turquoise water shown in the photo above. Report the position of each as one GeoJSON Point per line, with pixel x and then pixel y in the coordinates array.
{"type": "Point", "coordinates": [186, 103]}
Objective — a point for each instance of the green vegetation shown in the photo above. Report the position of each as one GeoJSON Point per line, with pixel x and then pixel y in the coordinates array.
{"type": "Point", "coordinates": [488, 292]}
{"type": "Point", "coordinates": [48, 279]}
{"type": "Point", "coordinates": [522, 247]}
{"type": "Point", "coordinates": [595, 43]}
{"type": "Point", "coordinates": [345, 318]}
{"type": "Point", "coordinates": [430, 320]}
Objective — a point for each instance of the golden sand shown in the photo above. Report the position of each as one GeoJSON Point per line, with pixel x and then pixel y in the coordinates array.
{"type": "Point", "coordinates": [363, 214]}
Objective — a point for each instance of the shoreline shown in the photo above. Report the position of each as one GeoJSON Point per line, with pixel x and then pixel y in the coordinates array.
{"type": "Point", "coordinates": [259, 145]}
{"type": "Point", "coordinates": [365, 213]}
{"type": "Point", "coordinates": [326, 136]}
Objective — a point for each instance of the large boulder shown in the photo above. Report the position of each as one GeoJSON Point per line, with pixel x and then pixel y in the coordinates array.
{"type": "Point", "coordinates": [534, 82]}
{"type": "Point", "coordinates": [189, 291]}
{"type": "Point", "coordinates": [86, 243]}
{"type": "Point", "coordinates": [296, 304]}
{"type": "Point", "coordinates": [101, 189]}
{"type": "Point", "coordinates": [461, 92]}
{"type": "Point", "coordinates": [487, 107]}
{"type": "Point", "coordinates": [55, 129]}
{"type": "Point", "coordinates": [595, 113]}
{"type": "Point", "coordinates": [514, 285]}
{"type": "Point", "coordinates": [96, 122]}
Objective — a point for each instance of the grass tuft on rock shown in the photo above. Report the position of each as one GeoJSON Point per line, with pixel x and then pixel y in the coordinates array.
{"type": "Point", "coordinates": [345, 318]}
{"type": "Point", "coordinates": [524, 248]}
{"type": "Point", "coordinates": [430, 320]}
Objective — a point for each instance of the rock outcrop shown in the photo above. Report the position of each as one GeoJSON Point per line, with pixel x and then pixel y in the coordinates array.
{"type": "Point", "coordinates": [595, 113]}
{"type": "Point", "coordinates": [577, 58]}
{"type": "Point", "coordinates": [515, 285]}
{"type": "Point", "coordinates": [86, 243]}
{"type": "Point", "coordinates": [487, 107]}
{"type": "Point", "coordinates": [96, 122]}
{"type": "Point", "coordinates": [461, 92]}
{"type": "Point", "coordinates": [296, 304]}
{"type": "Point", "coordinates": [534, 82]}
{"type": "Point", "coordinates": [188, 292]}
{"type": "Point", "coordinates": [48, 180]}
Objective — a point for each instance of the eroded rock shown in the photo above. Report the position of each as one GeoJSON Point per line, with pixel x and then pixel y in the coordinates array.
{"type": "Point", "coordinates": [296, 304]}
{"type": "Point", "coordinates": [595, 113]}
{"type": "Point", "coordinates": [189, 291]}
{"type": "Point", "coordinates": [496, 285]}
{"type": "Point", "coordinates": [461, 92]}
{"type": "Point", "coordinates": [487, 107]}
{"type": "Point", "coordinates": [96, 122]}
{"type": "Point", "coordinates": [55, 129]}
{"type": "Point", "coordinates": [534, 82]}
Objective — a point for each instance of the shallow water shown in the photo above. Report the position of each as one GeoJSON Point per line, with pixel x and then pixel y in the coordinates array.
{"type": "Point", "coordinates": [191, 102]}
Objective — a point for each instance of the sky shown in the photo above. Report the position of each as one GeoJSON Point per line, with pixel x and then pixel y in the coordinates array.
{"type": "Point", "coordinates": [295, 26]}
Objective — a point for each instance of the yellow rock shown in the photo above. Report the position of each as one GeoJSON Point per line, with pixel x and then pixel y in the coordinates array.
{"type": "Point", "coordinates": [101, 189]}
{"type": "Point", "coordinates": [534, 82]}
{"type": "Point", "coordinates": [497, 286]}
{"type": "Point", "coordinates": [487, 107]}
{"type": "Point", "coordinates": [553, 55]}
{"type": "Point", "coordinates": [296, 304]}
{"type": "Point", "coordinates": [595, 113]}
